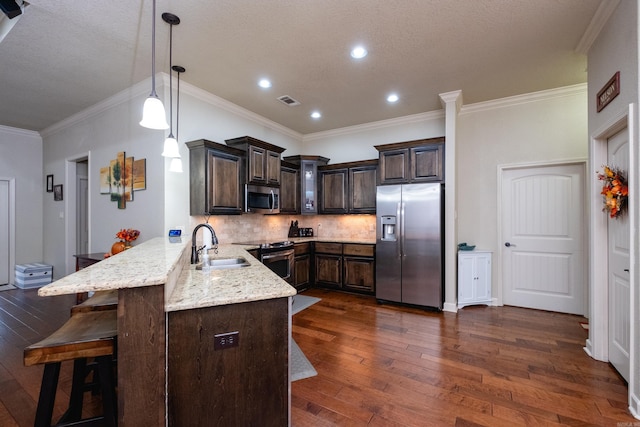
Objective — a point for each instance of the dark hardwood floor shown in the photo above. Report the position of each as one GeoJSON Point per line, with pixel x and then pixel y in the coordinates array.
{"type": "Point", "coordinates": [382, 365]}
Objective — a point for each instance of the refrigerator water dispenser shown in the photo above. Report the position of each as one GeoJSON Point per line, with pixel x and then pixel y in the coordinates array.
{"type": "Point", "coordinates": [388, 226]}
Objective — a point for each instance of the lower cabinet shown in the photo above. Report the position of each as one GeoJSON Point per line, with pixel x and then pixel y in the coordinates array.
{"type": "Point", "coordinates": [474, 278]}
{"type": "Point", "coordinates": [348, 266]}
{"type": "Point", "coordinates": [302, 266]}
{"type": "Point", "coordinates": [328, 264]}
{"type": "Point", "coordinates": [359, 267]}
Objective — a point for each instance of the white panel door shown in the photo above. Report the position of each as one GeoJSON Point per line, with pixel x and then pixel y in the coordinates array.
{"type": "Point", "coordinates": [4, 232]}
{"type": "Point", "coordinates": [618, 266]}
{"type": "Point", "coordinates": [543, 226]}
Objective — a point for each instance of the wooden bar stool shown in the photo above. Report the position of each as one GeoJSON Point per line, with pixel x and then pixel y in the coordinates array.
{"type": "Point", "coordinates": [100, 300]}
{"type": "Point", "coordinates": [85, 335]}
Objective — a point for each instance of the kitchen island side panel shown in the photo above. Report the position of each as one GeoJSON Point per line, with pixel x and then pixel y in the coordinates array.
{"type": "Point", "coordinates": [241, 385]}
{"type": "Point", "coordinates": [141, 357]}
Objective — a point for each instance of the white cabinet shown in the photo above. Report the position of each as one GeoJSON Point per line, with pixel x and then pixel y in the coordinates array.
{"type": "Point", "coordinates": [474, 278]}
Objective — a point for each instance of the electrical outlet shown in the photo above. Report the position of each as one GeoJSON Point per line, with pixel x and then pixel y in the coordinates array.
{"type": "Point", "coordinates": [227, 340]}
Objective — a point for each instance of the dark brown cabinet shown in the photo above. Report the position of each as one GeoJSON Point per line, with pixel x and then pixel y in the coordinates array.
{"type": "Point", "coordinates": [289, 188]}
{"type": "Point", "coordinates": [308, 181]}
{"type": "Point", "coordinates": [328, 264]}
{"type": "Point", "coordinates": [216, 174]}
{"type": "Point", "coordinates": [333, 191]}
{"type": "Point", "coordinates": [244, 384]}
{"type": "Point", "coordinates": [348, 266]}
{"type": "Point", "coordinates": [302, 266]}
{"type": "Point", "coordinates": [411, 162]}
{"type": "Point", "coordinates": [359, 267]}
{"type": "Point", "coordinates": [348, 187]}
{"type": "Point", "coordinates": [263, 160]}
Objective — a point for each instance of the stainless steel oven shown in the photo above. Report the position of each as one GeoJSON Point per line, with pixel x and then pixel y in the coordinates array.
{"type": "Point", "coordinates": [279, 258]}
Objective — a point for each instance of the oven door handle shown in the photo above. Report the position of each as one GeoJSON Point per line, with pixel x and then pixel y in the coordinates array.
{"type": "Point", "coordinates": [277, 256]}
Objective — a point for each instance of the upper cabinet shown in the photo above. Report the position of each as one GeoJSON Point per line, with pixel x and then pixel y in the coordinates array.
{"type": "Point", "coordinates": [348, 187]}
{"type": "Point", "coordinates": [308, 181]}
{"type": "Point", "coordinates": [289, 188]}
{"type": "Point", "coordinates": [263, 160]}
{"type": "Point", "coordinates": [411, 162]}
{"type": "Point", "coordinates": [216, 176]}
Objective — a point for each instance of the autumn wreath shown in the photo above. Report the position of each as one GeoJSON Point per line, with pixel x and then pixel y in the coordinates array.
{"type": "Point", "coordinates": [614, 191]}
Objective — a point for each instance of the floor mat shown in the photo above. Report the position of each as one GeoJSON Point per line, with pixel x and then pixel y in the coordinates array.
{"type": "Point", "coordinates": [300, 302]}
{"type": "Point", "coordinates": [301, 368]}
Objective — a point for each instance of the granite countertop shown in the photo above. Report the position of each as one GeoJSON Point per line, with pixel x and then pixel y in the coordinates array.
{"type": "Point", "coordinates": [145, 264]}
{"type": "Point", "coordinates": [196, 289]}
{"type": "Point", "coordinates": [159, 262]}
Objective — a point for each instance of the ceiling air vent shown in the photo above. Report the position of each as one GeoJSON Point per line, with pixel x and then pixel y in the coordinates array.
{"type": "Point", "coordinates": [285, 99]}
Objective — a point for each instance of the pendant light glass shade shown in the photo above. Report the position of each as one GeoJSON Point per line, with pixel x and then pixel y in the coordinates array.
{"type": "Point", "coordinates": [175, 165]}
{"type": "Point", "coordinates": [153, 114]}
{"type": "Point", "coordinates": [171, 147]}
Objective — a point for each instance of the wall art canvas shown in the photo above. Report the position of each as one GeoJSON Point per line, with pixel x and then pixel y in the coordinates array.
{"type": "Point", "coordinates": [122, 178]}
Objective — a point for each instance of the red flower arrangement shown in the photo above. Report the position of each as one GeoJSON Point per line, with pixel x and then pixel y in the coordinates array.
{"type": "Point", "coordinates": [614, 191]}
{"type": "Point", "coordinates": [127, 235]}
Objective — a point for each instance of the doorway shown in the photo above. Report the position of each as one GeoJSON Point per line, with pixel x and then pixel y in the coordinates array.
{"type": "Point", "coordinates": [77, 207]}
{"type": "Point", "coordinates": [543, 229]}
{"type": "Point", "coordinates": [5, 231]}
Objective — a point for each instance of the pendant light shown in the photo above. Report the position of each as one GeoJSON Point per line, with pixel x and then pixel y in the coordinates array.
{"type": "Point", "coordinates": [176, 162]}
{"type": "Point", "coordinates": [171, 144]}
{"type": "Point", "coordinates": [153, 114]}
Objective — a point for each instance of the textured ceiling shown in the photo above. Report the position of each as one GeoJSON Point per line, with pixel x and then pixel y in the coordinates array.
{"type": "Point", "coordinates": [66, 55]}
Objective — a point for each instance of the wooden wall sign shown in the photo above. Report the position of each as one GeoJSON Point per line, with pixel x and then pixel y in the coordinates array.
{"type": "Point", "coordinates": [608, 92]}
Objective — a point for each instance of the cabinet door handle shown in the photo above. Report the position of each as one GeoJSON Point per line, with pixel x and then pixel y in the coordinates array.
{"type": "Point", "coordinates": [509, 244]}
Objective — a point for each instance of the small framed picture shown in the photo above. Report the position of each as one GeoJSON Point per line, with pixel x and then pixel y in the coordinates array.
{"type": "Point", "coordinates": [49, 183]}
{"type": "Point", "coordinates": [57, 192]}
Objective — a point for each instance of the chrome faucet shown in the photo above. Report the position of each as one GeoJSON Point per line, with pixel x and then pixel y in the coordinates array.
{"type": "Point", "coordinates": [194, 248]}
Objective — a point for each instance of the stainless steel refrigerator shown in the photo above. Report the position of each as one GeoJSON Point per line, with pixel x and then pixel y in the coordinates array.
{"type": "Point", "coordinates": [409, 244]}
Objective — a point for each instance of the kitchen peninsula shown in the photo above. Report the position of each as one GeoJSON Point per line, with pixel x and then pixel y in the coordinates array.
{"type": "Point", "coordinates": [170, 315]}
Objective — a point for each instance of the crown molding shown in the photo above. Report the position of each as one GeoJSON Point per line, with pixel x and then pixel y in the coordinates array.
{"type": "Point", "coordinates": [381, 124]}
{"type": "Point", "coordinates": [20, 132]}
{"type": "Point", "coordinates": [216, 101]}
{"type": "Point", "coordinates": [453, 96]}
{"type": "Point", "coordinates": [525, 99]}
{"type": "Point", "coordinates": [600, 18]}
{"type": "Point", "coordinates": [122, 97]}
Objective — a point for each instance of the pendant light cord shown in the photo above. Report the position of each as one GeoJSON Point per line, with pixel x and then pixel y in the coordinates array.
{"type": "Point", "coordinates": [178, 108]}
{"type": "Point", "coordinates": [153, 51]}
{"type": "Point", "coordinates": [170, 80]}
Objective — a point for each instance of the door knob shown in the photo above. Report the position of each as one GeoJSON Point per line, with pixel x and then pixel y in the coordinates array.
{"type": "Point", "coordinates": [508, 244]}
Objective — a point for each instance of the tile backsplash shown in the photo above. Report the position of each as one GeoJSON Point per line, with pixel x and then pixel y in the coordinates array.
{"type": "Point", "coordinates": [254, 227]}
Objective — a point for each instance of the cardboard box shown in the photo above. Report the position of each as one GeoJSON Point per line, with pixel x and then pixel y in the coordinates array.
{"type": "Point", "coordinates": [33, 275]}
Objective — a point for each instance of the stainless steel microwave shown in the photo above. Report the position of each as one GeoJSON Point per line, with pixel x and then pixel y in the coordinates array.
{"type": "Point", "coordinates": [259, 199]}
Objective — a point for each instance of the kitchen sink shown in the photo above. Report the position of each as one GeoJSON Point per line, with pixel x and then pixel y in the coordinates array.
{"type": "Point", "coordinates": [224, 263]}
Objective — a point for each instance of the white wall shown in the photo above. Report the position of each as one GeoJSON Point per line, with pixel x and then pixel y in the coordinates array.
{"type": "Point", "coordinates": [21, 159]}
{"type": "Point", "coordinates": [615, 49]}
{"type": "Point", "coordinates": [543, 127]}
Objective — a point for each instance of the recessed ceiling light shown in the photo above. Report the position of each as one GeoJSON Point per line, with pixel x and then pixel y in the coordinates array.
{"type": "Point", "coordinates": [358, 52]}
{"type": "Point", "coordinates": [264, 83]}
{"type": "Point", "coordinates": [316, 115]}
{"type": "Point", "coordinates": [392, 98]}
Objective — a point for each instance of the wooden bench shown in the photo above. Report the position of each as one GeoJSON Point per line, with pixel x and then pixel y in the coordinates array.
{"type": "Point", "coordinates": [90, 334]}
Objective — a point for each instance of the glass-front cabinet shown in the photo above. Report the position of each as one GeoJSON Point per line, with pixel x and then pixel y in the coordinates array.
{"type": "Point", "coordinates": [308, 181]}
